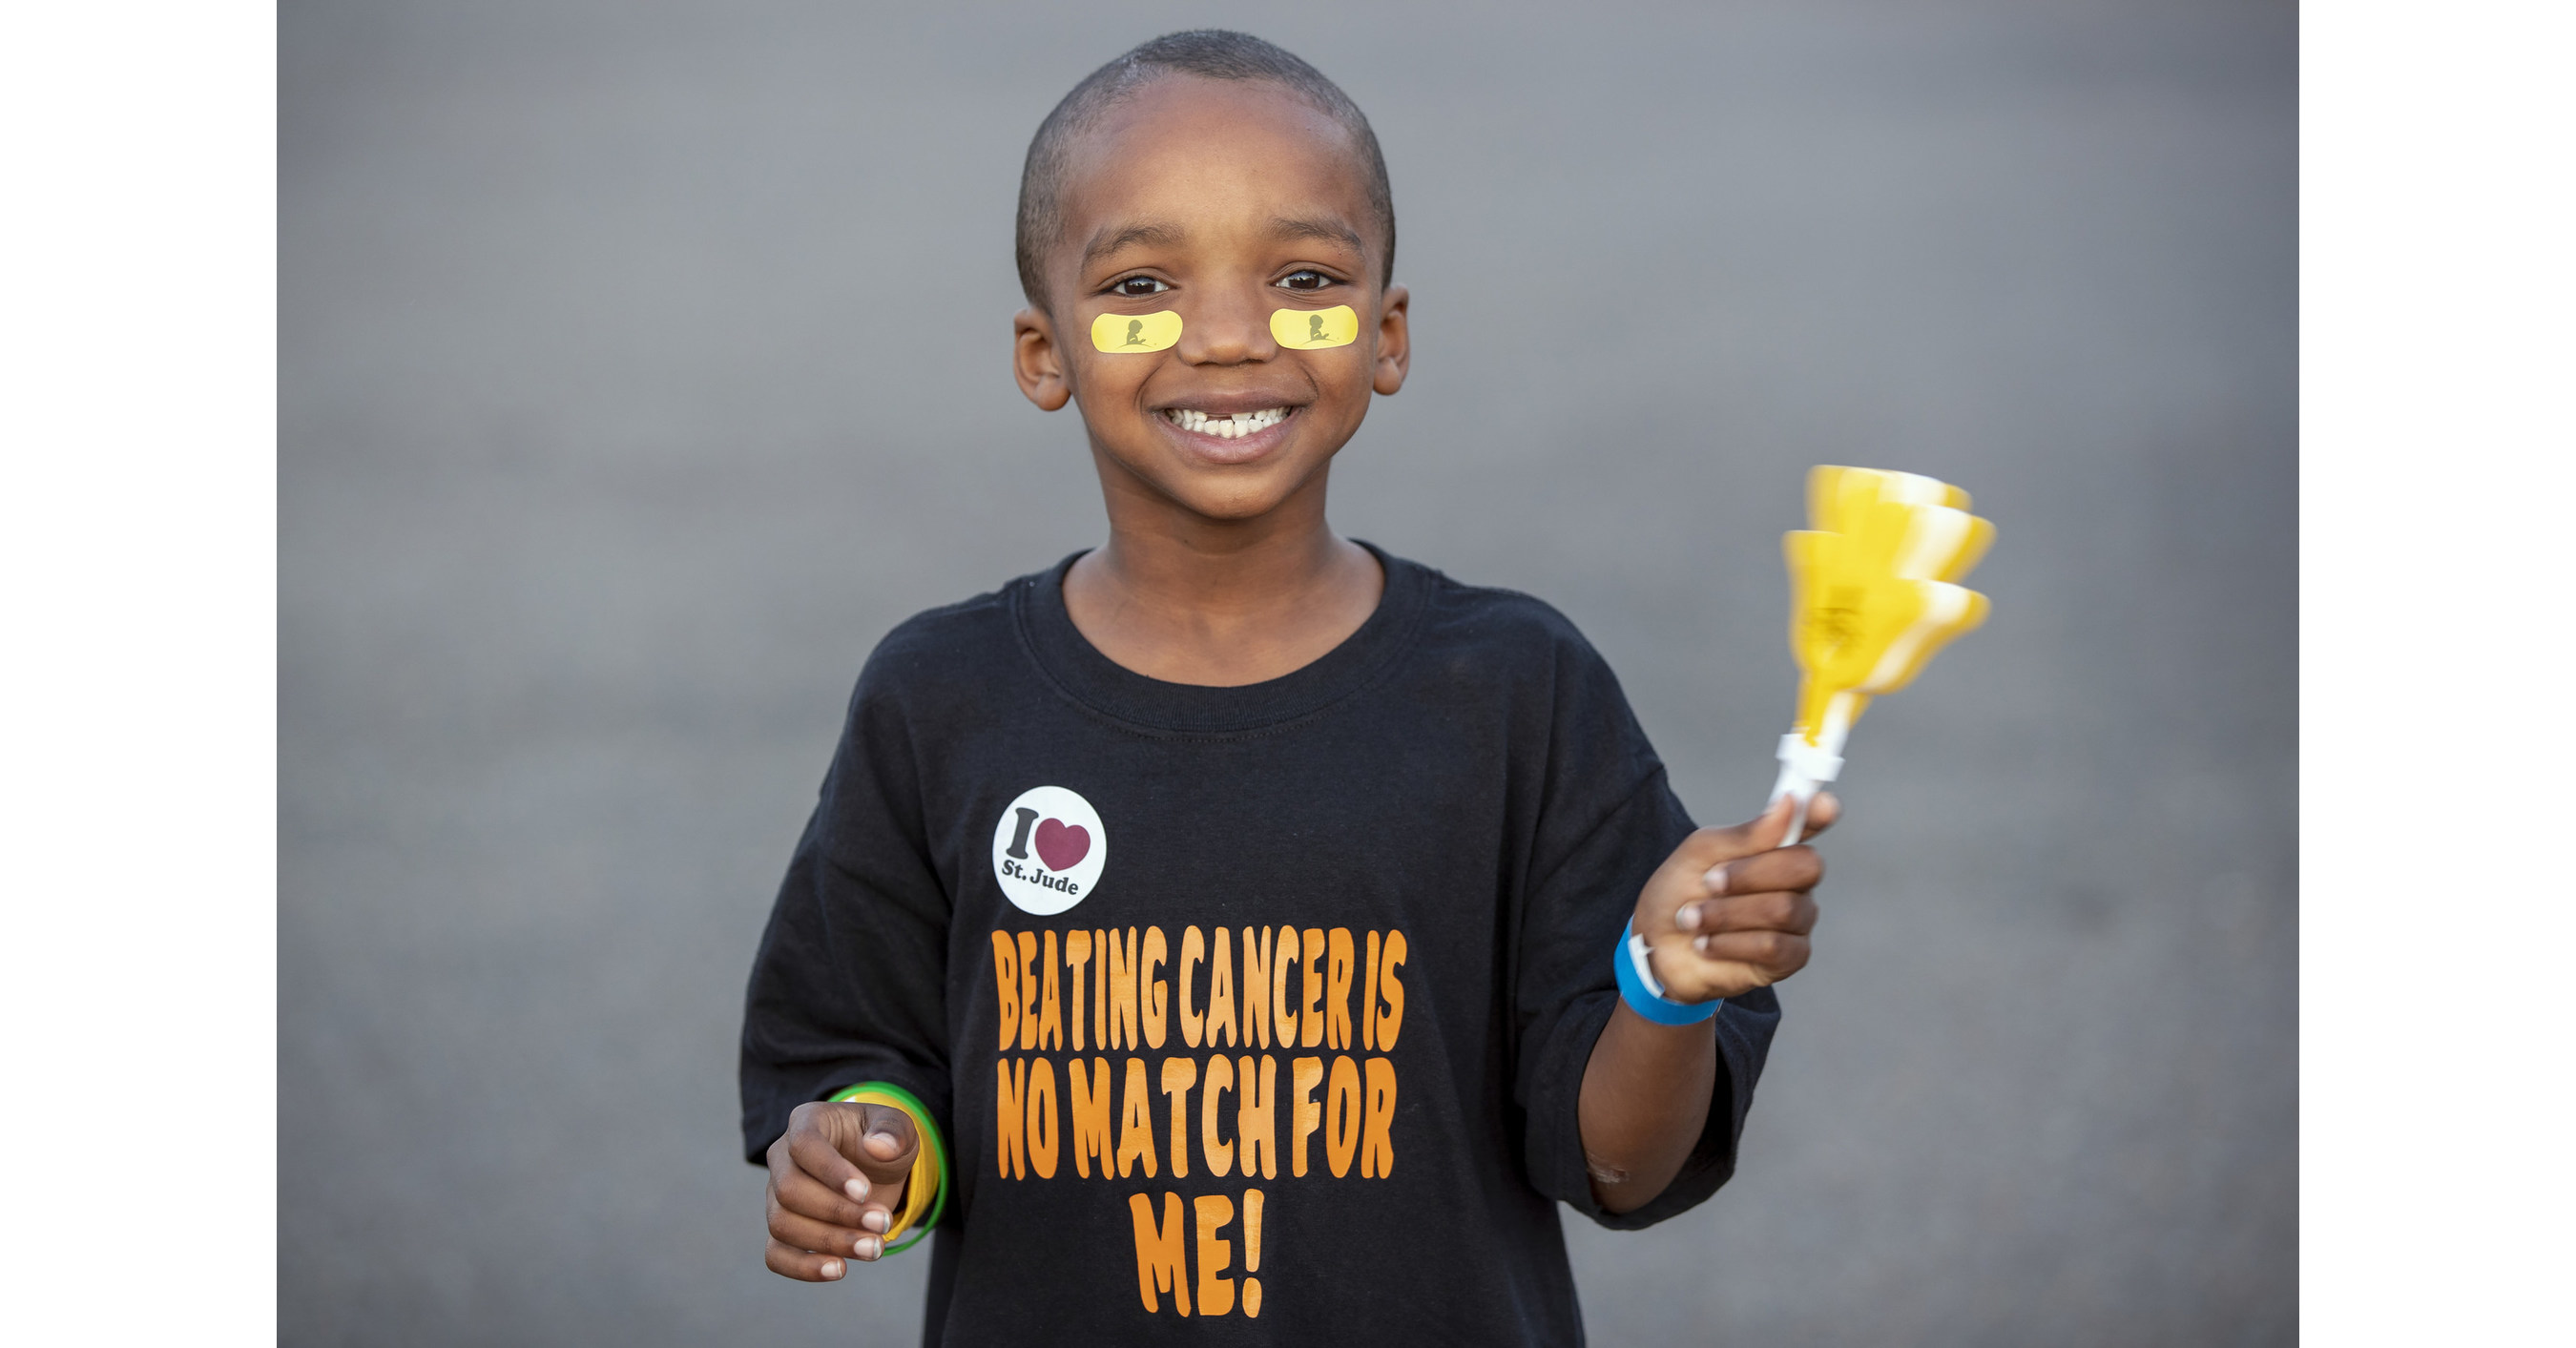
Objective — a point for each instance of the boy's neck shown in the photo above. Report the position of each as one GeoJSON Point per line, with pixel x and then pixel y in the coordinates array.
{"type": "Point", "coordinates": [1222, 602]}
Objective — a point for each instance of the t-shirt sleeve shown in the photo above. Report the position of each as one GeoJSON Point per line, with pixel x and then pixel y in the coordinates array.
{"type": "Point", "coordinates": [1606, 819]}
{"type": "Point", "coordinates": [850, 981]}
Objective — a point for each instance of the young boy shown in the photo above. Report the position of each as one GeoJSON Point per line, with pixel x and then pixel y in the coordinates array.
{"type": "Point", "coordinates": [1219, 935]}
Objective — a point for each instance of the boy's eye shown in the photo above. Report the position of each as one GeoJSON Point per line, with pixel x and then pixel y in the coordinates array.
{"type": "Point", "coordinates": [1305, 280]}
{"type": "Point", "coordinates": [1139, 285]}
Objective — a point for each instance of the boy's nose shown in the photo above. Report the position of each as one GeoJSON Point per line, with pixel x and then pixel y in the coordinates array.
{"type": "Point", "coordinates": [1227, 331]}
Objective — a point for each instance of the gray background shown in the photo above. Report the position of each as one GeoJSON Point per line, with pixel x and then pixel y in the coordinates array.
{"type": "Point", "coordinates": [643, 363]}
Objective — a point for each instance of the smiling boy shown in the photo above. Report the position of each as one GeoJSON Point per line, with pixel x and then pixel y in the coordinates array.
{"type": "Point", "coordinates": [1222, 934]}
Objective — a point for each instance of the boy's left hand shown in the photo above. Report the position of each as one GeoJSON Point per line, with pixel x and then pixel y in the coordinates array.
{"type": "Point", "coordinates": [1730, 910]}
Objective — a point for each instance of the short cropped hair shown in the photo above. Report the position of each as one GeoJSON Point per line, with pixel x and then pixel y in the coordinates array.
{"type": "Point", "coordinates": [1209, 53]}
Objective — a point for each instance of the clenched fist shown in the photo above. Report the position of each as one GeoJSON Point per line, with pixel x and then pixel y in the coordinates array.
{"type": "Point", "coordinates": [836, 1179]}
{"type": "Point", "coordinates": [1730, 911]}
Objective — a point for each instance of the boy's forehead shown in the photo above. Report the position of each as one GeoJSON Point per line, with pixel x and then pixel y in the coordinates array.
{"type": "Point", "coordinates": [1184, 147]}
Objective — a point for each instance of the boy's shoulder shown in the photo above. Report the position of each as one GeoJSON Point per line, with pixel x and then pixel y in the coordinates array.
{"type": "Point", "coordinates": [946, 646]}
{"type": "Point", "coordinates": [1512, 626]}
{"type": "Point", "coordinates": [1506, 613]}
{"type": "Point", "coordinates": [948, 631]}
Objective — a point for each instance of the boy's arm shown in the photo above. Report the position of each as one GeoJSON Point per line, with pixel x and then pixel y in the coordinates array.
{"type": "Point", "coordinates": [1727, 913]}
{"type": "Point", "coordinates": [848, 990]}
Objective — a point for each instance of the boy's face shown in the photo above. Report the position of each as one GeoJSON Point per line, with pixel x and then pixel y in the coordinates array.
{"type": "Point", "coordinates": [1221, 201]}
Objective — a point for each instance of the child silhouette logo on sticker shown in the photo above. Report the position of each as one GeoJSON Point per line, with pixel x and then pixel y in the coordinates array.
{"type": "Point", "coordinates": [1135, 332]}
{"type": "Point", "coordinates": [1314, 327]}
{"type": "Point", "coordinates": [1048, 850]}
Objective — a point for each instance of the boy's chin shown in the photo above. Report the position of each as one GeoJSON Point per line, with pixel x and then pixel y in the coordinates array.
{"type": "Point", "coordinates": [1232, 502]}
{"type": "Point", "coordinates": [1209, 486]}
{"type": "Point", "coordinates": [1222, 493]}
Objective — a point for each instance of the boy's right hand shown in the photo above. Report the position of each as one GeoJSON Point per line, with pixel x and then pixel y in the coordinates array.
{"type": "Point", "coordinates": [836, 1179]}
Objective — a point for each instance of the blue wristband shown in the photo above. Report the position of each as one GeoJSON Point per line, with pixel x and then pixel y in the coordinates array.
{"type": "Point", "coordinates": [1638, 988]}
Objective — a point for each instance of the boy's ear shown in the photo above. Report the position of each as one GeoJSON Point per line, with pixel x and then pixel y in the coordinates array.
{"type": "Point", "coordinates": [1037, 362]}
{"type": "Point", "coordinates": [1394, 341]}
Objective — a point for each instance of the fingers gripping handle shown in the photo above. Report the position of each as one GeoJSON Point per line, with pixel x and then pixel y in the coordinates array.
{"type": "Point", "coordinates": [1804, 769]}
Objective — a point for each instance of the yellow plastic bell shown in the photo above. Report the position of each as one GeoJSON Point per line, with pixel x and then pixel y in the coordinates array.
{"type": "Point", "coordinates": [1873, 595]}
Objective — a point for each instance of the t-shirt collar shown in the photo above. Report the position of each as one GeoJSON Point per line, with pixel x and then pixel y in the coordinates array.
{"type": "Point", "coordinates": [1082, 673]}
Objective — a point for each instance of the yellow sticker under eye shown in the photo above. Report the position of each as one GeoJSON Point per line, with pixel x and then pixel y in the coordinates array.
{"type": "Point", "coordinates": [1114, 333]}
{"type": "Point", "coordinates": [1315, 329]}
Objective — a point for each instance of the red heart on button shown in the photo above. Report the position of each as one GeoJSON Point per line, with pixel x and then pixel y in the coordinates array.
{"type": "Point", "coordinates": [1062, 846]}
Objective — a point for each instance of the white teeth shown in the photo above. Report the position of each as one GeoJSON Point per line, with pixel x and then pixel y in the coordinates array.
{"type": "Point", "coordinates": [1230, 427]}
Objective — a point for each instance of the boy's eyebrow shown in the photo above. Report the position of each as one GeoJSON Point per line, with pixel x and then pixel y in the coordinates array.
{"type": "Point", "coordinates": [1330, 231]}
{"type": "Point", "coordinates": [1169, 236]}
{"type": "Point", "coordinates": [1105, 242]}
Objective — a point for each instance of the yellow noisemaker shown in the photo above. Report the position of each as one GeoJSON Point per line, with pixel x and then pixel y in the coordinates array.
{"type": "Point", "coordinates": [1315, 329]}
{"type": "Point", "coordinates": [1873, 594]}
{"type": "Point", "coordinates": [1135, 333]}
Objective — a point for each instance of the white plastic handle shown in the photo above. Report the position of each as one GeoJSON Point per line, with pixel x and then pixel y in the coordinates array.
{"type": "Point", "coordinates": [1804, 768]}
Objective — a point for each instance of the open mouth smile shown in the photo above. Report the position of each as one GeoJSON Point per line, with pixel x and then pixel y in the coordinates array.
{"type": "Point", "coordinates": [1232, 426]}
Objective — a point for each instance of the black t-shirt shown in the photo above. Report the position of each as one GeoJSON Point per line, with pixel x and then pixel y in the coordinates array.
{"type": "Point", "coordinates": [1252, 1014]}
